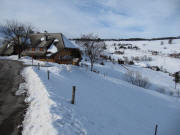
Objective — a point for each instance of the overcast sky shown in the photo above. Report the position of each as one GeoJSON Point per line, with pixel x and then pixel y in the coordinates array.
{"type": "Point", "coordinates": [107, 18]}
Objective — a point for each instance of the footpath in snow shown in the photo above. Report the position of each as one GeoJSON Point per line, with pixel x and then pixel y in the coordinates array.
{"type": "Point", "coordinates": [38, 119]}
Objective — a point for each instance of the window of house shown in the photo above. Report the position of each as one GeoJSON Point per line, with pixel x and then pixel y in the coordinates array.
{"type": "Point", "coordinates": [67, 57]}
{"type": "Point", "coordinates": [41, 49]}
{"type": "Point", "coordinates": [37, 49]}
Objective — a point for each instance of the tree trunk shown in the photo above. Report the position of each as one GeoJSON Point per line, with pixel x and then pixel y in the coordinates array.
{"type": "Point", "coordinates": [19, 52]}
{"type": "Point", "coordinates": [91, 65]}
{"type": "Point", "coordinates": [19, 49]}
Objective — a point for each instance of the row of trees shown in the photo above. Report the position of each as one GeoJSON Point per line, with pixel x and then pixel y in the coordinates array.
{"type": "Point", "coordinates": [17, 33]}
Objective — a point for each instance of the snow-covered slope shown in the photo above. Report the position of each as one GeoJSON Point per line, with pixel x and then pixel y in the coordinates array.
{"type": "Point", "coordinates": [105, 104]}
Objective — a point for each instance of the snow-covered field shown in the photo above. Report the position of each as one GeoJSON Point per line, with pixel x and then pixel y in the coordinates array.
{"type": "Point", "coordinates": [161, 60]}
{"type": "Point", "coordinates": [105, 103]}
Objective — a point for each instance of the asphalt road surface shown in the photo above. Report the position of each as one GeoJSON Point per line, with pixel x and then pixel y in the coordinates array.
{"type": "Point", "coordinates": [12, 107]}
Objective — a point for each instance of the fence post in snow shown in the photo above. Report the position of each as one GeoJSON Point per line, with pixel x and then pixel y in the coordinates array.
{"type": "Point", "coordinates": [32, 60]}
{"type": "Point", "coordinates": [48, 74]}
{"type": "Point", "coordinates": [73, 94]}
{"type": "Point", "coordinates": [155, 133]}
{"type": "Point", "coordinates": [38, 66]}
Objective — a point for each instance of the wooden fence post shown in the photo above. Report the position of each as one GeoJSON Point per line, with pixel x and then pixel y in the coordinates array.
{"type": "Point", "coordinates": [73, 94]}
{"type": "Point", "coordinates": [32, 60]}
{"type": "Point", "coordinates": [38, 66]}
{"type": "Point", "coordinates": [155, 133]}
{"type": "Point", "coordinates": [48, 74]}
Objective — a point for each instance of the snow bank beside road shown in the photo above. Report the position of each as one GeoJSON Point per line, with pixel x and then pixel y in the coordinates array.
{"type": "Point", "coordinates": [38, 119]}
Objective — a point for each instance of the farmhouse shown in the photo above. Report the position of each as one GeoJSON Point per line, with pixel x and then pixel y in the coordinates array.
{"type": "Point", "coordinates": [54, 47]}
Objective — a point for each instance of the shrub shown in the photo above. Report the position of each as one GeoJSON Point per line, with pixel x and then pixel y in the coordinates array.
{"type": "Point", "coordinates": [146, 58]}
{"type": "Point", "coordinates": [113, 61]}
{"type": "Point", "coordinates": [136, 79]}
{"type": "Point", "coordinates": [135, 47]}
{"type": "Point", "coordinates": [142, 58]}
{"type": "Point", "coordinates": [131, 62]}
{"type": "Point", "coordinates": [104, 47]}
{"type": "Point", "coordinates": [95, 71]}
{"type": "Point", "coordinates": [154, 52]}
{"type": "Point", "coordinates": [105, 57]}
{"type": "Point", "coordinates": [120, 61]}
{"type": "Point", "coordinates": [119, 52]}
{"type": "Point", "coordinates": [170, 41]}
{"type": "Point", "coordinates": [136, 58]}
{"type": "Point", "coordinates": [102, 63]}
{"type": "Point", "coordinates": [161, 90]}
{"type": "Point", "coordinates": [125, 59]}
{"type": "Point", "coordinates": [171, 93]}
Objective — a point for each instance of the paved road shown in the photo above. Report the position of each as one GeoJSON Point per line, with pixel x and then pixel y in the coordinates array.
{"type": "Point", "coordinates": [12, 107]}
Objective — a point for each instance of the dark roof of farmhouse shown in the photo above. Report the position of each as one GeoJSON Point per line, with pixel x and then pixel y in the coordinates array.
{"type": "Point", "coordinates": [38, 40]}
{"type": "Point", "coordinates": [46, 39]}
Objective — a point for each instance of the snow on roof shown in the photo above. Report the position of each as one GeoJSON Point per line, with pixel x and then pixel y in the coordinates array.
{"type": "Point", "coordinates": [68, 43]}
{"type": "Point", "coordinates": [56, 40]}
{"type": "Point", "coordinates": [52, 49]}
{"type": "Point", "coordinates": [43, 38]}
{"type": "Point", "coordinates": [8, 45]}
{"type": "Point", "coordinates": [50, 54]}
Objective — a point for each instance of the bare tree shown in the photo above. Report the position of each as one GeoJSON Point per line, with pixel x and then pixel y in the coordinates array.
{"type": "Point", "coordinates": [93, 47]}
{"type": "Point", "coordinates": [136, 79]}
{"type": "Point", "coordinates": [16, 32]}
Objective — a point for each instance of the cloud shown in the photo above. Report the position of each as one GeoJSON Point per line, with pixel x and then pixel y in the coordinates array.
{"type": "Point", "coordinates": [107, 18]}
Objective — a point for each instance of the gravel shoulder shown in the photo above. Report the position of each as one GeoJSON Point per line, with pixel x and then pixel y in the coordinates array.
{"type": "Point", "coordinates": [12, 107]}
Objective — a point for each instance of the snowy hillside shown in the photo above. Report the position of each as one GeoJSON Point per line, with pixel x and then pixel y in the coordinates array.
{"type": "Point", "coordinates": [104, 103]}
{"type": "Point", "coordinates": [107, 104]}
{"type": "Point", "coordinates": [147, 48]}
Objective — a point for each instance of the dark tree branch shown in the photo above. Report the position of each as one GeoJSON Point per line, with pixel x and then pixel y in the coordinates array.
{"type": "Point", "coordinates": [16, 32]}
{"type": "Point", "coordinates": [93, 47]}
